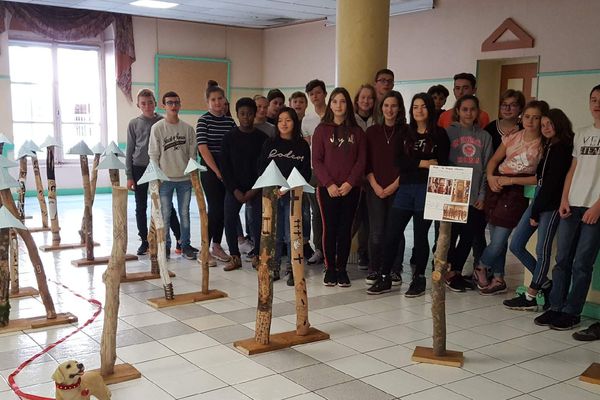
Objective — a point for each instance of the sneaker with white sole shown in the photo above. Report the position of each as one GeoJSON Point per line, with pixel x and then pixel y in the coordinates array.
{"type": "Point", "coordinates": [317, 257]}
{"type": "Point", "coordinates": [219, 254]}
{"type": "Point", "coordinates": [371, 278]}
{"type": "Point", "coordinates": [396, 279]}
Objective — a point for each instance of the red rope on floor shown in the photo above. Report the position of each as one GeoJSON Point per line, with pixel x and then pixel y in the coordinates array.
{"type": "Point", "coordinates": [11, 377]}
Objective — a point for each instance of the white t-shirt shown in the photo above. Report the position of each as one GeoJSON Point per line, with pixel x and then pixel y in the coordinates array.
{"type": "Point", "coordinates": [309, 124]}
{"type": "Point", "coordinates": [585, 187]}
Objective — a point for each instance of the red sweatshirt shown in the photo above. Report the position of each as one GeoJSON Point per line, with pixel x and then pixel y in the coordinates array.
{"type": "Point", "coordinates": [338, 161]}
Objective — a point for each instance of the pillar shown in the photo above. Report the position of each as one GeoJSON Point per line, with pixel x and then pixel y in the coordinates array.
{"type": "Point", "coordinates": [362, 30]}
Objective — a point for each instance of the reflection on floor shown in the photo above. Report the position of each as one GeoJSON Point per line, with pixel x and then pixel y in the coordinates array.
{"type": "Point", "coordinates": [186, 351]}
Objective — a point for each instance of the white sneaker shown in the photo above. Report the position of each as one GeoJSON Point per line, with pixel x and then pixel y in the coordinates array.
{"type": "Point", "coordinates": [316, 258]}
{"type": "Point", "coordinates": [212, 262]}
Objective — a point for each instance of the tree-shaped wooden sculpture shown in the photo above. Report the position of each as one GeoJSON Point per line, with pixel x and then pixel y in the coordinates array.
{"type": "Point", "coordinates": [194, 169]}
{"type": "Point", "coordinates": [113, 165]}
{"type": "Point", "coordinates": [7, 221]}
{"type": "Point", "coordinates": [50, 144]}
{"type": "Point", "coordinates": [39, 188]}
{"type": "Point", "coordinates": [22, 155]}
{"type": "Point", "coordinates": [97, 150]}
{"type": "Point", "coordinates": [153, 175]}
{"type": "Point", "coordinates": [51, 318]}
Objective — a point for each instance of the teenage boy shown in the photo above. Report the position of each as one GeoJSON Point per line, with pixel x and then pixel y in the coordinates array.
{"type": "Point", "coordinates": [260, 119]}
{"type": "Point", "coordinates": [384, 83]}
{"type": "Point", "coordinates": [299, 103]}
{"type": "Point", "coordinates": [316, 92]}
{"type": "Point", "coordinates": [464, 84]}
{"type": "Point", "coordinates": [240, 150]}
{"type": "Point", "coordinates": [136, 161]}
{"type": "Point", "coordinates": [172, 144]}
{"type": "Point", "coordinates": [579, 229]}
{"type": "Point", "coordinates": [439, 94]}
{"type": "Point", "coordinates": [276, 101]}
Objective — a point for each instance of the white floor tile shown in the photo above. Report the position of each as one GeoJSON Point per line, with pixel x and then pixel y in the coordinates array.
{"type": "Point", "coordinates": [437, 374]}
{"type": "Point", "coordinates": [238, 371]}
{"type": "Point", "coordinates": [274, 387]}
{"type": "Point", "coordinates": [364, 342]}
{"type": "Point", "coordinates": [398, 356]}
{"type": "Point", "coordinates": [520, 379]}
{"type": "Point", "coordinates": [564, 391]}
{"type": "Point", "coordinates": [189, 383]}
{"type": "Point", "coordinates": [480, 363]}
{"type": "Point", "coordinates": [205, 358]}
{"type": "Point", "coordinates": [435, 393]}
{"type": "Point", "coordinates": [227, 393]}
{"type": "Point", "coordinates": [553, 367]}
{"type": "Point", "coordinates": [398, 383]}
{"type": "Point", "coordinates": [208, 322]}
{"type": "Point", "coordinates": [143, 352]}
{"type": "Point", "coordinates": [326, 351]}
{"type": "Point", "coordinates": [146, 319]}
{"type": "Point", "coordinates": [189, 342]}
{"type": "Point", "coordinates": [509, 353]}
{"type": "Point", "coordinates": [360, 365]}
{"type": "Point", "coordinates": [400, 334]}
{"type": "Point", "coordinates": [139, 389]}
{"type": "Point", "coordinates": [479, 387]}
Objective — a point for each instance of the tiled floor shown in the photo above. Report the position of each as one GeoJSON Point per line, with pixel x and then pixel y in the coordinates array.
{"type": "Point", "coordinates": [186, 351]}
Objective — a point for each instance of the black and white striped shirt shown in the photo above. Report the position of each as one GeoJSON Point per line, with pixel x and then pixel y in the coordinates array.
{"type": "Point", "coordinates": [210, 130]}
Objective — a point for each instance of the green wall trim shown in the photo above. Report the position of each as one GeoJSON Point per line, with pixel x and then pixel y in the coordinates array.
{"type": "Point", "coordinates": [122, 146]}
{"type": "Point", "coordinates": [66, 192]}
{"type": "Point", "coordinates": [9, 146]}
{"type": "Point", "coordinates": [565, 73]}
{"type": "Point", "coordinates": [148, 84]}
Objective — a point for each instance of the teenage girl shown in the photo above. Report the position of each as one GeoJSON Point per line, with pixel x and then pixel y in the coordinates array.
{"type": "Point", "coordinates": [339, 153]}
{"type": "Point", "coordinates": [511, 105]}
{"type": "Point", "coordinates": [364, 103]}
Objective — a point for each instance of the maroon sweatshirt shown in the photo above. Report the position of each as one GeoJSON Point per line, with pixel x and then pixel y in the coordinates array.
{"type": "Point", "coordinates": [338, 161]}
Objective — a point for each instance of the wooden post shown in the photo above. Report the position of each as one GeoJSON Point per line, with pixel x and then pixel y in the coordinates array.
{"type": "Point", "coordinates": [114, 178]}
{"type": "Point", "coordinates": [204, 251]}
{"type": "Point", "coordinates": [40, 190]}
{"type": "Point", "coordinates": [92, 184]}
{"type": "Point", "coordinates": [153, 249]}
{"type": "Point", "coordinates": [14, 261]}
{"type": "Point", "coordinates": [297, 257]}
{"type": "Point", "coordinates": [34, 256]}
{"type": "Point", "coordinates": [87, 210]}
{"type": "Point", "coordinates": [266, 266]}
{"type": "Point", "coordinates": [52, 206]}
{"type": "Point", "coordinates": [160, 239]}
{"type": "Point", "coordinates": [4, 278]}
{"type": "Point", "coordinates": [438, 293]}
{"type": "Point", "coordinates": [112, 280]}
{"type": "Point", "coordinates": [21, 192]}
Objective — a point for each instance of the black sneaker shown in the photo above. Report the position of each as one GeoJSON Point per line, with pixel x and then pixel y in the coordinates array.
{"type": "Point", "coordinates": [330, 278]}
{"type": "Point", "coordinates": [547, 318]}
{"type": "Point", "coordinates": [382, 285]}
{"type": "Point", "coordinates": [546, 292]}
{"type": "Point", "coordinates": [276, 275]}
{"type": "Point", "coordinates": [189, 253]}
{"type": "Point", "coordinates": [371, 278]}
{"type": "Point", "coordinates": [396, 279]}
{"type": "Point", "coordinates": [565, 322]}
{"type": "Point", "coordinates": [143, 249]}
{"type": "Point", "coordinates": [342, 279]}
{"type": "Point", "coordinates": [251, 254]}
{"type": "Point", "coordinates": [468, 282]}
{"type": "Point", "coordinates": [193, 248]}
{"type": "Point", "coordinates": [417, 287]}
{"type": "Point", "coordinates": [168, 252]}
{"type": "Point", "coordinates": [363, 262]}
{"type": "Point", "coordinates": [456, 284]}
{"type": "Point", "coordinates": [308, 251]}
{"type": "Point", "coordinates": [521, 303]}
{"type": "Point", "coordinates": [290, 279]}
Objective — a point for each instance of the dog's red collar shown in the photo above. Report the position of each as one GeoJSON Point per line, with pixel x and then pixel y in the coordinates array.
{"type": "Point", "coordinates": [69, 387]}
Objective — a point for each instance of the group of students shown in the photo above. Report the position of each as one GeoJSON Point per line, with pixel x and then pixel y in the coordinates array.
{"type": "Point", "coordinates": [370, 167]}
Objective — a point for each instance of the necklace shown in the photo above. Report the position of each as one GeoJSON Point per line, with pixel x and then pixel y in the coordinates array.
{"type": "Point", "coordinates": [389, 138]}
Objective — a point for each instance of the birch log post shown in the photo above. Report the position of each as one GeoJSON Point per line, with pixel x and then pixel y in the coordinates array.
{"type": "Point", "coordinates": [40, 190]}
{"type": "Point", "coordinates": [52, 205]}
{"type": "Point", "coordinates": [97, 150]}
{"type": "Point", "coordinates": [112, 280]}
{"type": "Point", "coordinates": [4, 277]}
{"type": "Point", "coordinates": [6, 268]}
{"type": "Point", "coordinates": [14, 261]}
{"type": "Point", "coordinates": [438, 293]}
{"type": "Point", "coordinates": [153, 249]}
{"type": "Point", "coordinates": [87, 210]}
{"type": "Point", "coordinates": [21, 191]}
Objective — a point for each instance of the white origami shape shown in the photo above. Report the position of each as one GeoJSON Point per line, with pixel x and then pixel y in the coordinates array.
{"type": "Point", "coordinates": [194, 165]}
{"type": "Point", "coordinates": [33, 146]}
{"type": "Point", "coordinates": [297, 180]}
{"type": "Point", "coordinates": [113, 148]}
{"type": "Point", "coordinates": [98, 148]}
{"type": "Point", "coordinates": [4, 139]}
{"type": "Point", "coordinates": [25, 151]}
{"type": "Point", "coordinates": [111, 161]}
{"type": "Point", "coordinates": [7, 163]}
{"type": "Point", "coordinates": [7, 220]}
{"type": "Point", "coordinates": [153, 173]}
{"type": "Point", "coordinates": [271, 177]}
{"type": "Point", "coordinates": [81, 149]}
{"type": "Point", "coordinates": [6, 180]}
{"type": "Point", "coordinates": [50, 141]}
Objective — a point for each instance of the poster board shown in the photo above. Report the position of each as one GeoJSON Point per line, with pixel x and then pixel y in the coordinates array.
{"type": "Point", "coordinates": [448, 194]}
{"type": "Point", "coordinates": [187, 76]}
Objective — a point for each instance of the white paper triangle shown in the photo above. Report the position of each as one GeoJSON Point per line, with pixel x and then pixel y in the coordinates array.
{"type": "Point", "coordinates": [7, 220]}
{"type": "Point", "coordinates": [98, 148]}
{"type": "Point", "coordinates": [6, 162]}
{"type": "Point", "coordinates": [297, 180]}
{"type": "Point", "coordinates": [271, 177]}
{"type": "Point", "coordinates": [111, 161]}
{"type": "Point", "coordinates": [4, 139]}
{"type": "Point", "coordinates": [33, 146]}
{"type": "Point", "coordinates": [6, 180]}
{"type": "Point", "coordinates": [81, 149]}
{"type": "Point", "coordinates": [113, 148]}
{"type": "Point", "coordinates": [153, 173]}
{"type": "Point", "coordinates": [49, 141]}
{"type": "Point", "coordinates": [25, 151]}
{"type": "Point", "coordinates": [194, 165]}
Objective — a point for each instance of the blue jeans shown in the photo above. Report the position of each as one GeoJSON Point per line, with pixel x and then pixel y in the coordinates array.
{"type": "Point", "coordinates": [494, 255]}
{"type": "Point", "coordinates": [184, 195]}
{"type": "Point", "coordinates": [578, 246]}
{"type": "Point", "coordinates": [283, 229]}
{"type": "Point", "coordinates": [546, 229]}
{"type": "Point", "coordinates": [232, 216]}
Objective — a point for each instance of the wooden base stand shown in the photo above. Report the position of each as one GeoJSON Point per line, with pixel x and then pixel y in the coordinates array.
{"type": "Point", "coordinates": [83, 262]}
{"type": "Point", "coordinates": [186, 298]}
{"type": "Point", "coordinates": [451, 359]}
{"type": "Point", "coordinates": [24, 292]}
{"type": "Point", "coordinates": [39, 229]}
{"type": "Point", "coordinates": [65, 246]}
{"type": "Point", "coordinates": [592, 374]}
{"type": "Point", "coordinates": [279, 341]}
{"type": "Point", "coordinates": [38, 322]}
{"type": "Point", "coordinates": [142, 276]}
{"type": "Point", "coordinates": [121, 373]}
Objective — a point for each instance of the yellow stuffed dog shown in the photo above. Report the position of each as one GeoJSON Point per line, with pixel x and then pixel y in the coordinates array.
{"type": "Point", "coordinates": [73, 384]}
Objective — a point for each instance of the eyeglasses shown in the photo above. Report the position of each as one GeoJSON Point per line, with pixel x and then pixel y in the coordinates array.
{"type": "Point", "coordinates": [383, 80]}
{"type": "Point", "coordinates": [173, 103]}
{"type": "Point", "coordinates": [511, 105]}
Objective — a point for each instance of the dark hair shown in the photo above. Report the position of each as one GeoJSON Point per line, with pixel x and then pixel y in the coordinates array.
{"type": "Point", "coordinates": [438, 89]}
{"type": "Point", "coordinates": [562, 125]}
{"type": "Point", "coordinates": [212, 87]}
{"type": "Point", "coordinates": [411, 135]}
{"type": "Point", "coordinates": [467, 76]}
{"type": "Point", "coordinates": [297, 131]}
{"type": "Point", "coordinates": [373, 94]}
{"type": "Point", "coordinates": [459, 102]}
{"type": "Point", "coordinates": [541, 105]}
{"type": "Point", "coordinates": [401, 117]}
{"type": "Point", "coordinates": [517, 94]}
{"type": "Point", "coordinates": [315, 83]}
{"type": "Point", "coordinates": [169, 94]}
{"type": "Point", "coordinates": [349, 119]}
{"type": "Point", "coordinates": [383, 71]}
{"type": "Point", "coordinates": [245, 102]}
{"type": "Point", "coordinates": [297, 95]}
{"type": "Point", "coordinates": [595, 88]}
{"type": "Point", "coordinates": [274, 94]}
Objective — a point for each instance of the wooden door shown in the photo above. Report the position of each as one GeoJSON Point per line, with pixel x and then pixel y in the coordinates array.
{"type": "Point", "coordinates": [521, 77]}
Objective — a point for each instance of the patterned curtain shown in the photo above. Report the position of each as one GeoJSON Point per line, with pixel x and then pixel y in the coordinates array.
{"type": "Point", "coordinates": [72, 25]}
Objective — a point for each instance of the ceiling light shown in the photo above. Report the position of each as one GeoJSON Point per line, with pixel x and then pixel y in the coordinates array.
{"type": "Point", "coordinates": [153, 4]}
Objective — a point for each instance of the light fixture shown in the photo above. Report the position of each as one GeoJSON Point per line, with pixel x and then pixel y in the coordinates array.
{"type": "Point", "coordinates": [154, 4]}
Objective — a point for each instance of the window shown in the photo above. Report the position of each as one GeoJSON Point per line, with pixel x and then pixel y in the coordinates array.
{"type": "Point", "coordinates": [56, 90]}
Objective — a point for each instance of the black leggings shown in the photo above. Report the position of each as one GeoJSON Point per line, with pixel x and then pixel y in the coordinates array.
{"type": "Point", "coordinates": [215, 199]}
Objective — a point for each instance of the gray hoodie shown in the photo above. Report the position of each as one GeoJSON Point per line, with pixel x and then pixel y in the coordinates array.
{"type": "Point", "coordinates": [138, 134]}
{"type": "Point", "coordinates": [171, 146]}
{"type": "Point", "coordinates": [471, 148]}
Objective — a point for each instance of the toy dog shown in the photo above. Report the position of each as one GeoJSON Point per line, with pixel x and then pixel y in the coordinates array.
{"type": "Point", "coordinates": [72, 383]}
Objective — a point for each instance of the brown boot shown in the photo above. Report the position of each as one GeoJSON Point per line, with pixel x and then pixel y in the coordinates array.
{"type": "Point", "coordinates": [234, 263]}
